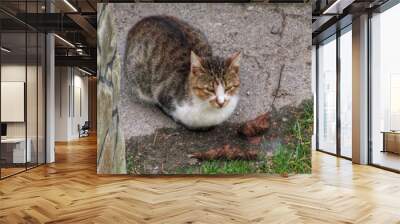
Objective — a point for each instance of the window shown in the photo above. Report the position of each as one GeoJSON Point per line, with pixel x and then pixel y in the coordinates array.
{"type": "Point", "coordinates": [22, 77]}
{"type": "Point", "coordinates": [346, 92]}
{"type": "Point", "coordinates": [327, 95]}
{"type": "Point", "coordinates": [334, 106]}
{"type": "Point", "coordinates": [385, 89]}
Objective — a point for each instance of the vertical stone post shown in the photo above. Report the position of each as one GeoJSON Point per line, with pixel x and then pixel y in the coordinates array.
{"type": "Point", "coordinates": [110, 140]}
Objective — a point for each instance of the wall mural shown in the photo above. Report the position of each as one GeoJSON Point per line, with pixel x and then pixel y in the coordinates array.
{"type": "Point", "coordinates": [204, 88]}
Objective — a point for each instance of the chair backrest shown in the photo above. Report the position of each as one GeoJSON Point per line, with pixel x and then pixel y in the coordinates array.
{"type": "Point", "coordinates": [86, 125]}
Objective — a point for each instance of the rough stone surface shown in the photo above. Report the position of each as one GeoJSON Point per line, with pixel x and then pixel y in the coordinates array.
{"type": "Point", "coordinates": [275, 40]}
{"type": "Point", "coordinates": [111, 144]}
{"type": "Point", "coordinates": [168, 150]}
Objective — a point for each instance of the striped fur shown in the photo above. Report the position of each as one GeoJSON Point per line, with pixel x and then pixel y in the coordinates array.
{"type": "Point", "coordinates": [170, 63]}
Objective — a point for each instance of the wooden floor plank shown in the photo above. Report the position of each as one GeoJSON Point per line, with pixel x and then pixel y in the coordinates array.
{"type": "Point", "coordinates": [70, 191]}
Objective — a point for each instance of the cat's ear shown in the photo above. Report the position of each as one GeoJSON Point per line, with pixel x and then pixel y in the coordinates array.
{"type": "Point", "coordinates": [233, 61]}
{"type": "Point", "coordinates": [195, 60]}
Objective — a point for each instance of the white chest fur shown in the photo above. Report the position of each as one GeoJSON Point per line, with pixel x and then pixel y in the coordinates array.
{"type": "Point", "coordinates": [199, 113]}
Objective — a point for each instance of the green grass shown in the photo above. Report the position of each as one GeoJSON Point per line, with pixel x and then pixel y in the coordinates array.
{"type": "Point", "coordinates": [220, 167]}
{"type": "Point", "coordinates": [295, 157]}
{"type": "Point", "coordinates": [286, 160]}
{"type": "Point", "coordinates": [129, 164]}
{"type": "Point", "coordinates": [292, 157]}
{"type": "Point", "coordinates": [227, 167]}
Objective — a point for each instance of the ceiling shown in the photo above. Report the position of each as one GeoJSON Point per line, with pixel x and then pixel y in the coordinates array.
{"type": "Point", "coordinates": [16, 42]}
{"type": "Point", "coordinates": [331, 15]}
{"type": "Point", "coordinates": [74, 22]}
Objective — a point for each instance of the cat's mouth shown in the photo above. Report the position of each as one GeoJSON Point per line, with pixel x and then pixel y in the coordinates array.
{"type": "Point", "coordinates": [218, 104]}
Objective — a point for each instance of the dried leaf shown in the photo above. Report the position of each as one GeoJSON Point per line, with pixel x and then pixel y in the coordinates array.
{"type": "Point", "coordinates": [286, 175]}
{"type": "Point", "coordinates": [256, 126]}
{"type": "Point", "coordinates": [254, 140]}
{"type": "Point", "coordinates": [226, 152]}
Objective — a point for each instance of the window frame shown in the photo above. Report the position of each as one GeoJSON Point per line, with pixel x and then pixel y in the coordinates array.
{"type": "Point", "coordinates": [338, 34]}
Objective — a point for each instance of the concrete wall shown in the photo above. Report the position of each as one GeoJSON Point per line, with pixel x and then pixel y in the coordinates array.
{"type": "Point", "coordinates": [275, 73]}
{"type": "Point", "coordinates": [275, 41]}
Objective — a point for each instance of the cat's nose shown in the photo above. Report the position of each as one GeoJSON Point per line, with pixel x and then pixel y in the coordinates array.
{"type": "Point", "coordinates": [220, 101]}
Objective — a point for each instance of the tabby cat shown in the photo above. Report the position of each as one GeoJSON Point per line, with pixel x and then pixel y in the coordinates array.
{"type": "Point", "coordinates": [170, 64]}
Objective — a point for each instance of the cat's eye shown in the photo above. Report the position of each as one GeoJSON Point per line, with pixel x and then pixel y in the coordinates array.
{"type": "Point", "coordinates": [229, 88]}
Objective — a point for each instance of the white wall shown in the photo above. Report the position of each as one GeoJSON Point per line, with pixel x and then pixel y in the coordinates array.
{"type": "Point", "coordinates": [70, 83]}
{"type": "Point", "coordinates": [61, 103]}
{"type": "Point", "coordinates": [79, 117]}
{"type": "Point", "coordinates": [14, 72]}
{"type": "Point", "coordinates": [33, 126]}
{"type": "Point", "coordinates": [17, 73]}
{"type": "Point", "coordinates": [12, 101]}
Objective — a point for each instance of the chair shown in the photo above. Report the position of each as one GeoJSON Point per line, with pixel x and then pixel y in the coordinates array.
{"type": "Point", "coordinates": [84, 130]}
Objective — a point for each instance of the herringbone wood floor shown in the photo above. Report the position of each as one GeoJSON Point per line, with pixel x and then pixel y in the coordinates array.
{"type": "Point", "coordinates": [69, 191]}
